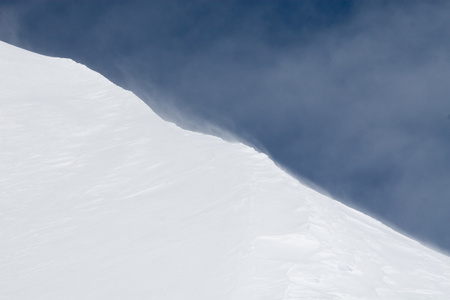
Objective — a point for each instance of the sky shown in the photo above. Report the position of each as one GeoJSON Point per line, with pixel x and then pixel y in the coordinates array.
{"type": "Point", "coordinates": [351, 96]}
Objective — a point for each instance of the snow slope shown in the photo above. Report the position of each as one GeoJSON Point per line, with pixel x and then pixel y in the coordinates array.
{"type": "Point", "coordinates": [101, 199]}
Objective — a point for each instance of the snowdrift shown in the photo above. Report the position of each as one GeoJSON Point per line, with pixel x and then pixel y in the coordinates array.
{"type": "Point", "coordinates": [102, 199]}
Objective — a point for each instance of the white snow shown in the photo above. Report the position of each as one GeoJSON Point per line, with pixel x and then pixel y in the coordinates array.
{"type": "Point", "coordinates": [101, 199]}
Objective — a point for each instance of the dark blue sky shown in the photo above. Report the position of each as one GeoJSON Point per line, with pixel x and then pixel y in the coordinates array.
{"type": "Point", "coordinates": [351, 95]}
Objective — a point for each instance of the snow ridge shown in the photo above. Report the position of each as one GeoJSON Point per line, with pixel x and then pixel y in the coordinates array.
{"type": "Point", "coordinates": [102, 199]}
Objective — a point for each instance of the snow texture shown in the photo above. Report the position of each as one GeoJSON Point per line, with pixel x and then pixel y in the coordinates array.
{"type": "Point", "coordinates": [102, 199]}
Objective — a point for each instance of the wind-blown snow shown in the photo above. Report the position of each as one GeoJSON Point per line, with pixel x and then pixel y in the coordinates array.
{"type": "Point", "coordinates": [101, 199]}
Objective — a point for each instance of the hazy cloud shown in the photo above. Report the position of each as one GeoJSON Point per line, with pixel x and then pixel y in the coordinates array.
{"type": "Point", "coordinates": [351, 95]}
{"type": "Point", "coordinates": [9, 25]}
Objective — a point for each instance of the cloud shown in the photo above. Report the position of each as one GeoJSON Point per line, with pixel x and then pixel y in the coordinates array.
{"type": "Point", "coordinates": [351, 95]}
{"type": "Point", "coordinates": [8, 25]}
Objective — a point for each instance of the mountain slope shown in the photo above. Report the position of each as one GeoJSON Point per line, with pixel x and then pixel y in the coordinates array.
{"type": "Point", "coordinates": [101, 199]}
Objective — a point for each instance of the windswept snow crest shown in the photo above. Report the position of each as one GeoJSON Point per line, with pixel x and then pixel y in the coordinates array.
{"type": "Point", "coordinates": [102, 199]}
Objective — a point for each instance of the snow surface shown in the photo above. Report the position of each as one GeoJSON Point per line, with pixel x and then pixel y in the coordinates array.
{"type": "Point", "coordinates": [102, 199]}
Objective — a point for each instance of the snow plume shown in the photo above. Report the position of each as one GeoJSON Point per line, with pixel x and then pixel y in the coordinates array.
{"type": "Point", "coordinates": [359, 107]}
